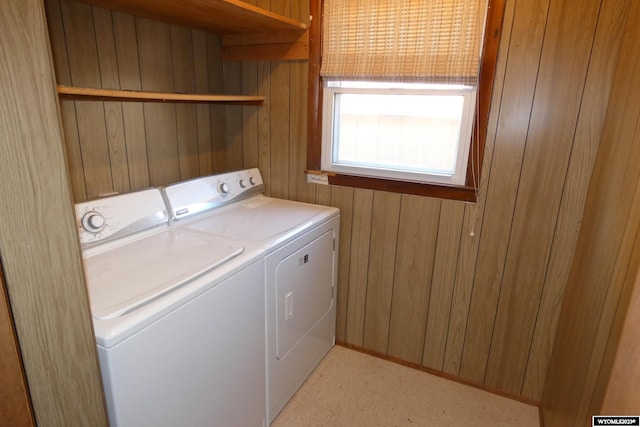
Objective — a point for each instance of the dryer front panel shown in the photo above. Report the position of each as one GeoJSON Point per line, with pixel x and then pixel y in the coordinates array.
{"type": "Point", "coordinates": [304, 291]}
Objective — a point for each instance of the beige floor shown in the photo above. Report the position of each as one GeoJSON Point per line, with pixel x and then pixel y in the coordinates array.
{"type": "Point", "coordinates": [354, 389]}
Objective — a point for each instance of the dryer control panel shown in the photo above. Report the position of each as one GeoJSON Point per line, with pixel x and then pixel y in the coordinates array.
{"type": "Point", "coordinates": [191, 197]}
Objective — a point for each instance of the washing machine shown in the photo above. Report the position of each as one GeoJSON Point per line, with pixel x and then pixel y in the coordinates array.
{"type": "Point", "coordinates": [300, 245]}
{"type": "Point", "coordinates": [178, 317]}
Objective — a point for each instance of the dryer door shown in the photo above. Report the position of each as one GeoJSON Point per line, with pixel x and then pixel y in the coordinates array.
{"type": "Point", "coordinates": [304, 291]}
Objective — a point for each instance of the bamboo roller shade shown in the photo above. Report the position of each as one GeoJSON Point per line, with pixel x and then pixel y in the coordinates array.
{"type": "Point", "coordinates": [435, 41]}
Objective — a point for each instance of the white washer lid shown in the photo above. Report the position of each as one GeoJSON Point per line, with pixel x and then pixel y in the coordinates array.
{"type": "Point", "coordinates": [264, 220]}
{"type": "Point", "coordinates": [128, 276]}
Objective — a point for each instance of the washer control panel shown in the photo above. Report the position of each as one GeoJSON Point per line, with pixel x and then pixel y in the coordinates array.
{"type": "Point", "coordinates": [197, 195]}
{"type": "Point", "coordinates": [109, 218]}
{"type": "Point", "coordinates": [93, 222]}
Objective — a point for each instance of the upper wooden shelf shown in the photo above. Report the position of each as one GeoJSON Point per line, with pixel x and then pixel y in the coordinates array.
{"type": "Point", "coordinates": [248, 32]}
{"type": "Point", "coordinates": [128, 95]}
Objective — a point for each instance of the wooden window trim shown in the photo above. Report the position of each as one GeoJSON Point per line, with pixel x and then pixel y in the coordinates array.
{"type": "Point", "coordinates": [467, 192]}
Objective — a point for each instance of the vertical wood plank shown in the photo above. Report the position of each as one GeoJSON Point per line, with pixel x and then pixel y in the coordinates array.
{"type": "Point", "coordinates": [461, 300]}
{"type": "Point", "coordinates": [233, 117]}
{"type": "Point", "coordinates": [382, 259]}
{"type": "Point", "coordinates": [280, 113]}
{"type": "Point", "coordinates": [250, 148]}
{"type": "Point", "coordinates": [264, 123]}
{"type": "Point", "coordinates": [342, 198]}
{"type": "Point", "coordinates": [359, 265]}
{"type": "Point", "coordinates": [186, 118]}
{"type": "Point", "coordinates": [250, 114]}
{"type": "Point", "coordinates": [583, 154]}
{"type": "Point", "coordinates": [133, 113]}
{"type": "Point", "coordinates": [263, 73]}
{"type": "Point", "coordinates": [412, 280]}
{"type": "Point", "coordinates": [250, 123]}
{"type": "Point", "coordinates": [154, 50]}
{"type": "Point", "coordinates": [323, 194]}
{"type": "Point", "coordinates": [280, 131]}
{"type": "Point", "coordinates": [444, 275]}
{"type": "Point", "coordinates": [203, 111]}
{"type": "Point", "coordinates": [517, 95]}
{"type": "Point", "coordinates": [218, 112]}
{"type": "Point", "coordinates": [300, 188]}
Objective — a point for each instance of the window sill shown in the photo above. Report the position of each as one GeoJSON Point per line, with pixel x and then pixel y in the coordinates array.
{"type": "Point", "coordinates": [442, 191]}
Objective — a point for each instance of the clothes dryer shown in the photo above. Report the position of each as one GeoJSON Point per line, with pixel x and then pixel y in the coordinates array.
{"type": "Point", "coordinates": [300, 244]}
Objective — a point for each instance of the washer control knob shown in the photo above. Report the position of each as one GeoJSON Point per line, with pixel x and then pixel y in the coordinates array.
{"type": "Point", "coordinates": [223, 188]}
{"type": "Point", "coordinates": [242, 183]}
{"type": "Point", "coordinates": [252, 180]}
{"type": "Point", "coordinates": [93, 222]}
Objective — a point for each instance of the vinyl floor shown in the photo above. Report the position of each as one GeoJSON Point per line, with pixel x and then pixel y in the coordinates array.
{"type": "Point", "coordinates": [354, 389]}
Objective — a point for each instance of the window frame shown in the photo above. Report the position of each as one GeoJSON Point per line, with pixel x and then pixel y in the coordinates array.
{"type": "Point", "coordinates": [466, 192]}
{"type": "Point", "coordinates": [329, 113]}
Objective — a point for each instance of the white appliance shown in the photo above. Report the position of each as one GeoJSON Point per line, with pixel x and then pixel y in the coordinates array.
{"type": "Point", "coordinates": [178, 317]}
{"type": "Point", "coordinates": [300, 242]}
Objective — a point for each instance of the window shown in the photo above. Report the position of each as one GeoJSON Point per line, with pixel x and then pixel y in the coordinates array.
{"type": "Point", "coordinates": [401, 120]}
{"type": "Point", "coordinates": [411, 132]}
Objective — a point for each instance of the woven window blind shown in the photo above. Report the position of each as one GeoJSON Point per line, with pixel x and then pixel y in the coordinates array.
{"type": "Point", "coordinates": [433, 41]}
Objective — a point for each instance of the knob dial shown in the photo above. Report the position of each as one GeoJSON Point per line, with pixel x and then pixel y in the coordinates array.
{"type": "Point", "coordinates": [93, 222]}
{"type": "Point", "coordinates": [242, 183]}
{"type": "Point", "coordinates": [252, 180]}
{"type": "Point", "coordinates": [223, 188]}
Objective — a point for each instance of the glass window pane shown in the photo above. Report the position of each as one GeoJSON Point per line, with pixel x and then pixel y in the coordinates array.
{"type": "Point", "coordinates": [416, 133]}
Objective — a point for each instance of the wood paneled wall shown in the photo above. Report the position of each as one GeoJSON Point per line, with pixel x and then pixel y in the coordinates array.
{"type": "Point", "coordinates": [473, 290]}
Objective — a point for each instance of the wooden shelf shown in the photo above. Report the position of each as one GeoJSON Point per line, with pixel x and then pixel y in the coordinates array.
{"type": "Point", "coordinates": [218, 16]}
{"type": "Point", "coordinates": [127, 95]}
{"type": "Point", "coordinates": [248, 32]}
